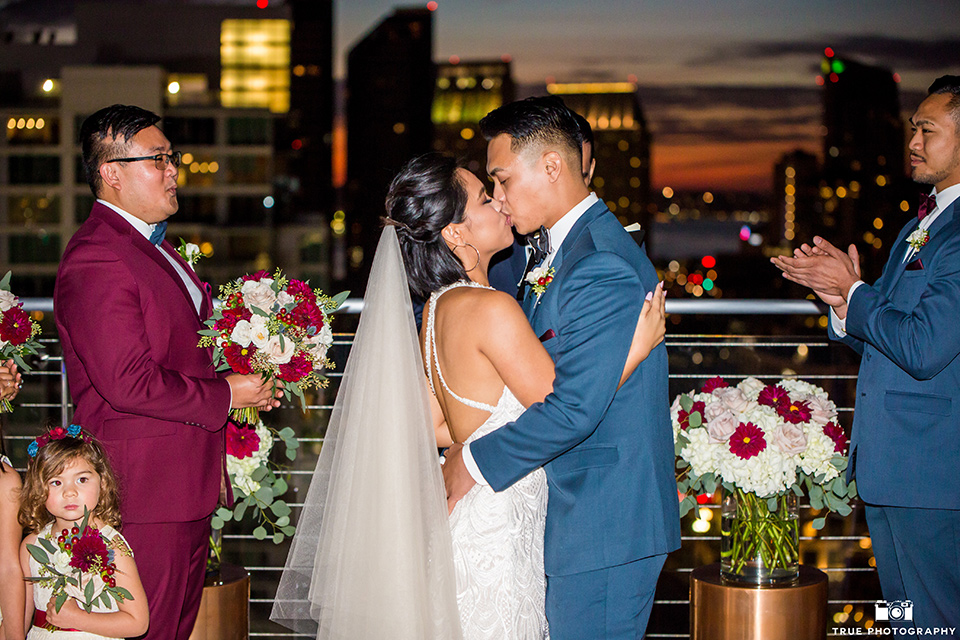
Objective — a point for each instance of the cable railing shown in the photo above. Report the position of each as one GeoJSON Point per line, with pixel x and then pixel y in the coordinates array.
{"type": "Point", "coordinates": [767, 339]}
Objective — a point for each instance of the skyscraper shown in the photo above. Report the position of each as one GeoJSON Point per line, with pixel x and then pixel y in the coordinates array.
{"type": "Point", "coordinates": [390, 80]}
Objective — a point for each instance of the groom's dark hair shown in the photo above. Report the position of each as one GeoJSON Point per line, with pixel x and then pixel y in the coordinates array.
{"type": "Point", "coordinates": [541, 120]}
{"type": "Point", "coordinates": [949, 85]}
{"type": "Point", "coordinates": [423, 199]}
{"type": "Point", "coordinates": [116, 122]}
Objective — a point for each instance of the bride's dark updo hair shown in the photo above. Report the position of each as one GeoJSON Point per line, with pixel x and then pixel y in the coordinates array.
{"type": "Point", "coordinates": [424, 198]}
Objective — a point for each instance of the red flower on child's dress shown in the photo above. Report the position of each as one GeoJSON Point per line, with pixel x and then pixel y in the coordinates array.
{"type": "Point", "coordinates": [16, 327]}
{"type": "Point", "coordinates": [239, 357]}
{"type": "Point", "coordinates": [747, 441]}
{"type": "Point", "coordinates": [835, 432]}
{"type": "Point", "coordinates": [241, 442]}
{"type": "Point", "coordinates": [772, 395]}
{"type": "Point", "coordinates": [793, 412]}
{"type": "Point", "coordinates": [714, 383]}
{"type": "Point", "coordinates": [90, 551]}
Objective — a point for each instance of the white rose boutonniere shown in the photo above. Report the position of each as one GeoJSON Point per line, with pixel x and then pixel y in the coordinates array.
{"type": "Point", "coordinates": [539, 279]}
{"type": "Point", "coordinates": [190, 252]}
{"type": "Point", "coordinates": [918, 238]}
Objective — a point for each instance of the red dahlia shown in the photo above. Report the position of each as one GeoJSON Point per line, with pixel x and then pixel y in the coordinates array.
{"type": "Point", "coordinates": [16, 327]}
{"type": "Point", "coordinates": [793, 412]}
{"type": "Point", "coordinates": [684, 416]}
{"type": "Point", "coordinates": [833, 431]}
{"type": "Point", "coordinates": [301, 290]}
{"type": "Point", "coordinates": [259, 275]}
{"type": "Point", "coordinates": [772, 395]}
{"type": "Point", "coordinates": [89, 551]}
{"type": "Point", "coordinates": [747, 441]}
{"type": "Point", "coordinates": [714, 383]}
{"type": "Point", "coordinates": [296, 369]}
{"type": "Point", "coordinates": [239, 357]}
{"type": "Point", "coordinates": [241, 442]}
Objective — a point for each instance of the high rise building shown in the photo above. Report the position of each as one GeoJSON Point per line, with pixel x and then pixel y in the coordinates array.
{"type": "Point", "coordinates": [390, 85]}
{"type": "Point", "coordinates": [621, 145]}
{"type": "Point", "coordinates": [798, 212]}
{"type": "Point", "coordinates": [465, 92]}
{"type": "Point", "coordinates": [863, 182]}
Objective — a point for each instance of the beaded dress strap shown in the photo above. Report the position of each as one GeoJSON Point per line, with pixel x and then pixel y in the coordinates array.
{"type": "Point", "coordinates": [431, 344]}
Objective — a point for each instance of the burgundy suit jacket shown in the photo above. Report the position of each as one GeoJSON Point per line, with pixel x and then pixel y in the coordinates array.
{"type": "Point", "coordinates": [139, 382]}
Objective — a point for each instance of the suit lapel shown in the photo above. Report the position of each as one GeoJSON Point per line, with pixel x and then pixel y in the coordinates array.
{"type": "Point", "coordinates": [205, 298]}
{"type": "Point", "coordinates": [899, 267]}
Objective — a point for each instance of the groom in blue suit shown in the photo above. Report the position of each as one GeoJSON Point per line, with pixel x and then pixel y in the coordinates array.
{"type": "Point", "coordinates": [905, 442]}
{"type": "Point", "coordinates": [613, 512]}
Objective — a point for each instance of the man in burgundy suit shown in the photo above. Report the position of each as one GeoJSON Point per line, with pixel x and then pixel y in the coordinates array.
{"type": "Point", "coordinates": [128, 309]}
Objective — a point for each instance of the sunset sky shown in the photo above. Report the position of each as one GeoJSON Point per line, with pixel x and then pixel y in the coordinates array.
{"type": "Point", "coordinates": [727, 86]}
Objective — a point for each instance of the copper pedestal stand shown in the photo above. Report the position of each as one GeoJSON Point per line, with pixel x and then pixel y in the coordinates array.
{"type": "Point", "coordinates": [722, 611]}
{"type": "Point", "coordinates": [224, 608]}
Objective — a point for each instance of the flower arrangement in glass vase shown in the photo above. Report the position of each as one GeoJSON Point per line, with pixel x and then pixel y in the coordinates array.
{"type": "Point", "coordinates": [257, 483]}
{"type": "Point", "coordinates": [79, 563]}
{"type": "Point", "coordinates": [765, 445]}
{"type": "Point", "coordinates": [276, 327]}
{"type": "Point", "coordinates": [18, 332]}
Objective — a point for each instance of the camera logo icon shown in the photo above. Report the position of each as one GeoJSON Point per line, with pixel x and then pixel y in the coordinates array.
{"type": "Point", "coordinates": [894, 610]}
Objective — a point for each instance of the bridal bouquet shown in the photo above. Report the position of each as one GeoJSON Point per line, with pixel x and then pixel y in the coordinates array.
{"type": "Point", "coordinates": [276, 327]}
{"type": "Point", "coordinates": [256, 486]}
{"type": "Point", "coordinates": [79, 565]}
{"type": "Point", "coordinates": [765, 444]}
{"type": "Point", "coordinates": [17, 332]}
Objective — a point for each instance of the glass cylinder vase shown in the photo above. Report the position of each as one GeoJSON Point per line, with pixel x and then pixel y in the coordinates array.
{"type": "Point", "coordinates": [759, 539]}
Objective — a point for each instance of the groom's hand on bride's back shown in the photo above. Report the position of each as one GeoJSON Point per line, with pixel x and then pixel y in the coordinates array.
{"type": "Point", "coordinates": [456, 479]}
{"type": "Point", "coordinates": [251, 390]}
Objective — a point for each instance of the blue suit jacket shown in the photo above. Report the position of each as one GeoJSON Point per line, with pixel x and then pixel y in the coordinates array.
{"type": "Point", "coordinates": [506, 268]}
{"type": "Point", "coordinates": [608, 454]}
{"type": "Point", "coordinates": [906, 424]}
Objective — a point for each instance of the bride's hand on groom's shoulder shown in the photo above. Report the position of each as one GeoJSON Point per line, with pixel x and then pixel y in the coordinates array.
{"type": "Point", "coordinates": [456, 479]}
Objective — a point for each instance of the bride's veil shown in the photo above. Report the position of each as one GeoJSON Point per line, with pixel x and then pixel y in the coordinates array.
{"type": "Point", "coordinates": [372, 556]}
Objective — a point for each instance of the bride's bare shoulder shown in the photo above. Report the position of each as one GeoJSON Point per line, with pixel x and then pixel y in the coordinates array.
{"type": "Point", "coordinates": [482, 306]}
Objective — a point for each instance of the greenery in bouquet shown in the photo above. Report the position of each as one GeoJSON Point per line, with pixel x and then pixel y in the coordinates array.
{"type": "Point", "coordinates": [276, 327]}
{"type": "Point", "coordinates": [257, 481]}
{"type": "Point", "coordinates": [79, 564]}
{"type": "Point", "coordinates": [761, 443]}
{"type": "Point", "coordinates": [18, 332]}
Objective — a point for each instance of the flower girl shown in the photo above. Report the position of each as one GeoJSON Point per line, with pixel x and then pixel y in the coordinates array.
{"type": "Point", "coordinates": [82, 579]}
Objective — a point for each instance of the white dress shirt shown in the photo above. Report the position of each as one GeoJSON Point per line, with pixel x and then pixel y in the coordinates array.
{"type": "Point", "coordinates": [558, 233]}
{"type": "Point", "coordinates": [146, 230]}
{"type": "Point", "coordinates": [944, 199]}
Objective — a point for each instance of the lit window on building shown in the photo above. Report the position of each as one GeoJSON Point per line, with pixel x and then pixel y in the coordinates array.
{"type": "Point", "coordinates": [255, 62]}
{"type": "Point", "coordinates": [32, 129]}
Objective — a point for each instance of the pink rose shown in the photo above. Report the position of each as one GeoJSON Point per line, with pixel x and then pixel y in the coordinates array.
{"type": "Point", "coordinates": [732, 398]}
{"type": "Point", "coordinates": [822, 411]}
{"type": "Point", "coordinates": [790, 439]}
{"type": "Point", "coordinates": [277, 354]}
{"type": "Point", "coordinates": [721, 422]}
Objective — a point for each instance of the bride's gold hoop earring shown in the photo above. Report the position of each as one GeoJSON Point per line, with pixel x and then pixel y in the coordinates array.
{"type": "Point", "coordinates": [467, 244]}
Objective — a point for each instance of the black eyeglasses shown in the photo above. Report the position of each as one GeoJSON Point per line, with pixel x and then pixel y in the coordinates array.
{"type": "Point", "coordinates": [161, 160]}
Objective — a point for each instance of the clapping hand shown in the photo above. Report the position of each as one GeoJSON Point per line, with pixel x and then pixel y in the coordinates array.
{"type": "Point", "coordinates": [825, 269]}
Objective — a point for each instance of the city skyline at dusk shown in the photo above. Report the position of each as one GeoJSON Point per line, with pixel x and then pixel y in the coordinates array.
{"type": "Point", "coordinates": [727, 87]}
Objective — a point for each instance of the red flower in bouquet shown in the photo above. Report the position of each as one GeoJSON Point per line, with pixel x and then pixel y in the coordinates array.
{"type": "Point", "coordinates": [259, 275]}
{"type": "Point", "coordinates": [239, 357]}
{"type": "Point", "coordinates": [684, 416]}
{"type": "Point", "coordinates": [231, 317]}
{"type": "Point", "coordinates": [90, 551]}
{"type": "Point", "coordinates": [714, 383]}
{"type": "Point", "coordinates": [16, 327]}
{"type": "Point", "coordinates": [835, 432]}
{"type": "Point", "coordinates": [772, 395]}
{"type": "Point", "coordinates": [298, 367]}
{"type": "Point", "coordinates": [747, 441]}
{"type": "Point", "coordinates": [301, 290]}
{"type": "Point", "coordinates": [241, 442]}
{"type": "Point", "coordinates": [793, 412]}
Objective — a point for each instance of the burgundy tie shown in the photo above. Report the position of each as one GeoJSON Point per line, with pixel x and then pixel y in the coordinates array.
{"type": "Point", "coordinates": [927, 204]}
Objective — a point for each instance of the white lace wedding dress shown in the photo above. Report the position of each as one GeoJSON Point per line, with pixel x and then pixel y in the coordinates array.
{"type": "Point", "coordinates": [497, 536]}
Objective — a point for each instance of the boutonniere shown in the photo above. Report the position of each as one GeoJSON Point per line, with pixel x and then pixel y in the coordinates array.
{"type": "Point", "coordinates": [539, 279]}
{"type": "Point", "coordinates": [190, 253]}
{"type": "Point", "coordinates": [918, 238]}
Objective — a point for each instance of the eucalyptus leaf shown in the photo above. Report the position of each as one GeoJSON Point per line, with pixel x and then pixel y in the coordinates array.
{"type": "Point", "coordinates": [818, 523]}
{"type": "Point", "coordinates": [216, 523]}
{"type": "Point", "coordinates": [282, 522]}
{"type": "Point", "coordinates": [260, 533]}
{"type": "Point", "coordinates": [686, 402]}
{"type": "Point", "coordinates": [239, 510]}
{"type": "Point", "coordinates": [280, 508]}
{"type": "Point", "coordinates": [695, 420]}
{"type": "Point", "coordinates": [278, 537]}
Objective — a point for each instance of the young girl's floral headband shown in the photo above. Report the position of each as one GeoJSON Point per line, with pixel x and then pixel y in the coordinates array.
{"type": "Point", "coordinates": [58, 433]}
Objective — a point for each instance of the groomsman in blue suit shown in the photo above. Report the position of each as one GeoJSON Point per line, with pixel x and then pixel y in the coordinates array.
{"type": "Point", "coordinates": [905, 443]}
{"type": "Point", "coordinates": [613, 513]}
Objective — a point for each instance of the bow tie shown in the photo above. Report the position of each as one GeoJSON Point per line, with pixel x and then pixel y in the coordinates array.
{"type": "Point", "coordinates": [539, 241]}
{"type": "Point", "coordinates": [927, 204]}
{"type": "Point", "coordinates": [159, 233]}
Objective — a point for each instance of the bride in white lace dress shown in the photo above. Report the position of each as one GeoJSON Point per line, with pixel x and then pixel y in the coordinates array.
{"type": "Point", "coordinates": [484, 365]}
